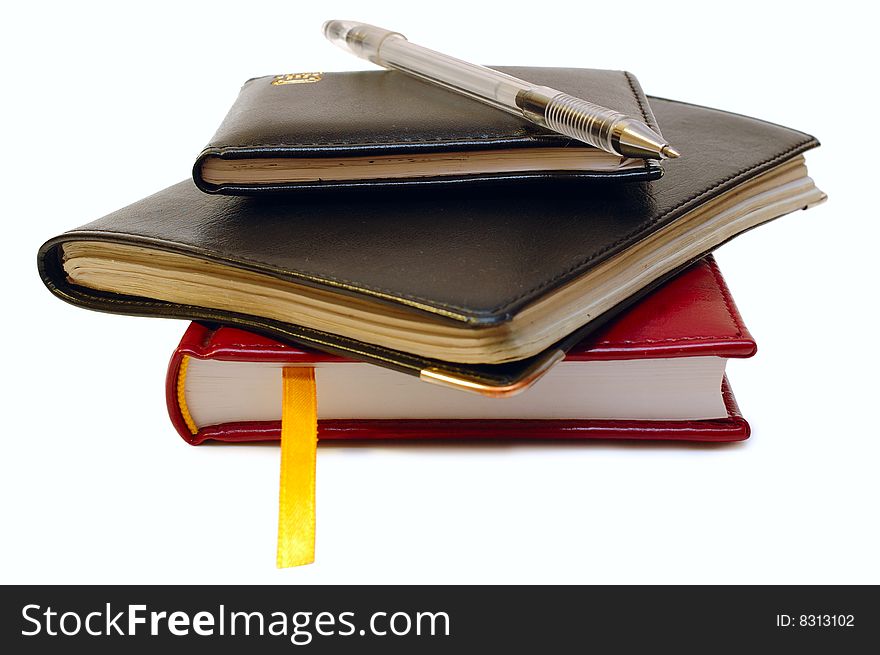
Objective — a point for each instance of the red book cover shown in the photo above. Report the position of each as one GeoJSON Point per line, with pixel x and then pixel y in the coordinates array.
{"type": "Point", "coordinates": [691, 315]}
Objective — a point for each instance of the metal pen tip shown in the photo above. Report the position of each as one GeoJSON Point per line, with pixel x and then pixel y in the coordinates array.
{"type": "Point", "coordinates": [670, 152]}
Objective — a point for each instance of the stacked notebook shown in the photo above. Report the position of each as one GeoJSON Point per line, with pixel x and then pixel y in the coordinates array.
{"type": "Point", "coordinates": [656, 372]}
{"type": "Point", "coordinates": [446, 269]}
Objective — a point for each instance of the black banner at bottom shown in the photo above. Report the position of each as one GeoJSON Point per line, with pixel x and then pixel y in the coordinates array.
{"type": "Point", "coordinates": [439, 619]}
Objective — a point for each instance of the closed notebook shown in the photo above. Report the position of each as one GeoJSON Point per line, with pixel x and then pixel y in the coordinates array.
{"type": "Point", "coordinates": [319, 130]}
{"type": "Point", "coordinates": [655, 372]}
{"type": "Point", "coordinates": [482, 288]}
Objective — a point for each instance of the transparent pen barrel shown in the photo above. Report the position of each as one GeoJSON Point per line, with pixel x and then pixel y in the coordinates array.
{"type": "Point", "coordinates": [392, 50]}
{"type": "Point", "coordinates": [479, 82]}
{"type": "Point", "coordinates": [560, 112]}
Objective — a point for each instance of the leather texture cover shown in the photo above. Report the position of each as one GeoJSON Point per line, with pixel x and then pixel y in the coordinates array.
{"type": "Point", "coordinates": [463, 254]}
{"type": "Point", "coordinates": [691, 315]}
{"type": "Point", "coordinates": [364, 113]}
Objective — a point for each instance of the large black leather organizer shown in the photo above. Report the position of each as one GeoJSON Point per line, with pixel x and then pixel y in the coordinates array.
{"type": "Point", "coordinates": [473, 255]}
{"type": "Point", "coordinates": [370, 113]}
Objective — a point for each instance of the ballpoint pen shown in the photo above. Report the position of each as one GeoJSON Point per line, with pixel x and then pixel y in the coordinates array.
{"type": "Point", "coordinates": [574, 117]}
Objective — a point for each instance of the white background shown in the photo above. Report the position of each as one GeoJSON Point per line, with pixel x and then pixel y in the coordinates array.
{"type": "Point", "coordinates": [103, 104]}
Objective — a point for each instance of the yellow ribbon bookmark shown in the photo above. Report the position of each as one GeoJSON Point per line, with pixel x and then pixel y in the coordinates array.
{"type": "Point", "coordinates": [299, 441]}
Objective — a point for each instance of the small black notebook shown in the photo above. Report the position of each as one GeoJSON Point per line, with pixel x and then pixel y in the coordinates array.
{"type": "Point", "coordinates": [477, 287]}
{"type": "Point", "coordinates": [385, 128]}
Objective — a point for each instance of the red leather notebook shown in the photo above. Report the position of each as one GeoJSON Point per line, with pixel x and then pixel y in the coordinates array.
{"type": "Point", "coordinates": [655, 372]}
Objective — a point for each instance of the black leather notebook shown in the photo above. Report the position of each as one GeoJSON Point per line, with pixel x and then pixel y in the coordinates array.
{"type": "Point", "coordinates": [368, 128]}
{"type": "Point", "coordinates": [477, 287]}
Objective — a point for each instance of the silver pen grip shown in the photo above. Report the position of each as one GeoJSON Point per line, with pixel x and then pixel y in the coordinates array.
{"type": "Point", "coordinates": [584, 121]}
